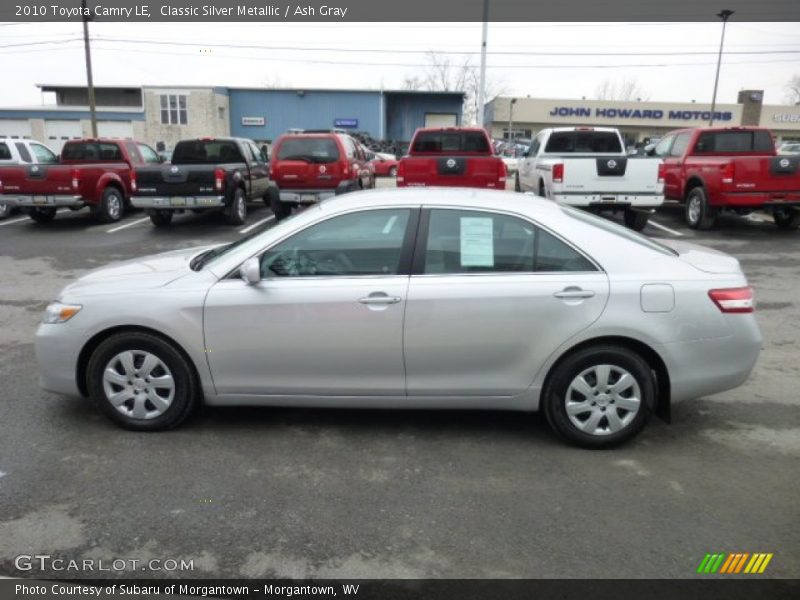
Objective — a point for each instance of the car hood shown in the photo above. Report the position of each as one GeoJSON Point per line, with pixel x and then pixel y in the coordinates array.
{"type": "Point", "coordinates": [147, 272]}
{"type": "Point", "coordinates": [703, 258]}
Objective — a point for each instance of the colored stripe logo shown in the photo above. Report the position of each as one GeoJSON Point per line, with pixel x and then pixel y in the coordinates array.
{"type": "Point", "coordinates": [735, 563]}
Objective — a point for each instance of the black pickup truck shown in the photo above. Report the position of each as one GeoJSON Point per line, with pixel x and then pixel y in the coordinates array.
{"type": "Point", "coordinates": [204, 174]}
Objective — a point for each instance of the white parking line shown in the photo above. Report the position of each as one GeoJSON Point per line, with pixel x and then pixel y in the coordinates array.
{"type": "Point", "coordinates": [131, 224]}
{"type": "Point", "coordinates": [662, 227]}
{"type": "Point", "coordinates": [12, 221]}
{"type": "Point", "coordinates": [256, 224]}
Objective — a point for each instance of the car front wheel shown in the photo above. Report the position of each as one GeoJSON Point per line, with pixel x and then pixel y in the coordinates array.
{"type": "Point", "coordinates": [786, 217]}
{"type": "Point", "coordinates": [600, 396]}
{"type": "Point", "coordinates": [141, 382]}
{"type": "Point", "coordinates": [236, 213]}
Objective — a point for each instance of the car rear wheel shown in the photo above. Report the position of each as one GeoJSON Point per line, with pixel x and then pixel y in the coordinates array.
{"type": "Point", "coordinates": [281, 210]}
{"type": "Point", "coordinates": [111, 207]}
{"type": "Point", "coordinates": [5, 210]}
{"type": "Point", "coordinates": [636, 220]}
{"type": "Point", "coordinates": [161, 218]}
{"type": "Point", "coordinates": [600, 396]}
{"type": "Point", "coordinates": [699, 214]}
{"type": "Point", "coordinates": [141, 382]}
{"type": "Point", "coordinates": [43, 215]}
{"type": "Point", "coordinates": [786, 217]}
{"type": "Point", "coordinates": [236, 213]}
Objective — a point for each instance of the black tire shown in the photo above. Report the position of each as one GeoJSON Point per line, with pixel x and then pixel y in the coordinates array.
{"type": "Point", "coordinates": [554, 396]}
{"type": "Point", "coordinates": [698, 212]}
{"type": "Point", "coordinates": [517, 186]}
{"type": "Point", "coordinates": [393, 172]}
{"type": "Point", "coordinates": [42, 215]}
{"type": "Point", "coordinates": [635, 219]}
{"type": "Point", "coordinates": [281, 210]}
{"type": "Point", "coordinates": [185, 394]}
{"type": "Point", "coordinates": [161, 218]}
{"type": "Point", "coordinates": [542, 191]}
{"type": "Point", "coordinates": [5, 211]}
{"type": "Point", "coordinates": [786, 217]}
{"type": "Point", "coordinates": [236, 213]}
{"type": "Point", "coordinates": [112, 206]}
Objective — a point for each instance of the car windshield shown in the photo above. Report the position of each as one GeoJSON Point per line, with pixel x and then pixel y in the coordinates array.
{"type": "Point", "coordinates": [206, 152]}
{"type": "Point", "coordinates": [618, 230]}
{"type": "Point", "coordinates": [451, 141]}
{"type": "Point", "coordinates": [309, 149]}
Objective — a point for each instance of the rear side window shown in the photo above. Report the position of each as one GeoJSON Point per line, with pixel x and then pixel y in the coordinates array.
{"type": "Point", "coordinates": [23, 152]}
{"type": "Point", "coordinates": [734, 141]}
{"type": "Point", "coordinates": [43, 154]}
{"type": "Point", "coordinates": [148, 154]}
{"type": "Point", "coordinates": [91, 151]}
{"type": "Point", "coordinates": [206, 152]}
{"type": "Point", "coordinates": [587, 142]}
{"type": "Point", "coordinates": [480, 242]}
{"type": "Point", "coordinates": [309, 149]}
{"type": "Point", "coordinates": [5, 152]}
{"type": "Point", "coordinates": [451, 141]}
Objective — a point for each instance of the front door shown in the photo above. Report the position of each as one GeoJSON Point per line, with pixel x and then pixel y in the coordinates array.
{"type": "Point", "coordinates": [326, 318]}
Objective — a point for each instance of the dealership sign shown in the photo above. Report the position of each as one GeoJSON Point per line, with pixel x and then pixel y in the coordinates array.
{"type": "Point", "coordinates": [253, 121]}
{"type": "Point", "coordinates": [351, 123]}
{"type": "Point", "coordinates": [786, 118]}
{"type": "Point", "coordinates": [635, 113]}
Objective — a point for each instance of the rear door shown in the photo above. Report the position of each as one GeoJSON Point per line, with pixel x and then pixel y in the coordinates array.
{"type": "Point", "coordinates": [491, 297]}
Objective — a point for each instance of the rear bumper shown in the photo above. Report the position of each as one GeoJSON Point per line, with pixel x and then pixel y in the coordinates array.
{"type": "Point", "coordinates": [41, 201]}
{"type": "Point", "coordinates": [756, 199]}
{"type": "Point", "coordinates": [610, 200]}
{"type": "Point", "coordinates": [178, 202]}
{"type": "Point", "coordinates": [306, 196]}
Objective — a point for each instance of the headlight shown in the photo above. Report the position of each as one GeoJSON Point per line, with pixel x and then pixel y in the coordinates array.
{"type": "Point", "coordinates": [56, 312]}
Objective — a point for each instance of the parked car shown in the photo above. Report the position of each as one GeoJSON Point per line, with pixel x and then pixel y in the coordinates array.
{"type": "Point", "coordinates": [413, 298]}
{"type": "Point", "coordinates": [385, 165]}
{"type": "Point", "coordinates": [15, 151]}
{"type": "Point", "coordinates": [207, 173]}
{"type": "Point", "coordinates": [309, 167]}
{"type": "Point", "coordinates": [790, 148]}
{"type": "Point", "coordinates": [91, 172]}
{"type": "Point", "coordinates": [451, 157]}
{"type": "Point", "coordinates": [587, 167]}
{"type": "Point", "coordinates": [732, 168]}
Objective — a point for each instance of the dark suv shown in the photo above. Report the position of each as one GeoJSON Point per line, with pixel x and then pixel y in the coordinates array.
{"type": "Point", "coordinates": [309, 167]}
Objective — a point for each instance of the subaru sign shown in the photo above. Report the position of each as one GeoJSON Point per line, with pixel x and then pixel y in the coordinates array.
{"type": "Point", "coordinates": [349, 123]}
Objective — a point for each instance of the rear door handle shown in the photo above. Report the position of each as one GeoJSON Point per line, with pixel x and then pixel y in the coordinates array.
{"type": "Point", "coordinates": [574, 293]}
{"type": "Point", "coordinates": [379, 299]}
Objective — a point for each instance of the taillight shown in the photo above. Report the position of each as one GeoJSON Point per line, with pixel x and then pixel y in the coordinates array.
{"type": "Point", "coordinates": [502, 171]}
{"type": "Point", "coordinates": [728, 172]}
{"type": "Point", "coordinates": [662, 171]}
{"type": "Point", "coordinates": [219, 179]}
{"type": "Point", "coordinates": [133, 180]}
{"type": "Point", "coordinates": [76, 178]}
{"type": "Point", "coordinates": [558, 173]}
{"type": "Point", "coordinates": [401, 172]}
{"type": "Point", "coordinates": [346, 170]}
{"type": "Point", "coordinates": [733, 300]}
{"type": "Point", "coordinates": [1, 186]}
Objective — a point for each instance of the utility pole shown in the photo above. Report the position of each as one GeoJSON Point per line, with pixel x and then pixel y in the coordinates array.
{"type": "Point", "coordinates": [89, 81]}
{"type": "Point", "coordinates": [482, 82]}
{"type": "Point", "coordinates": [511, 103]}
{"type": "Point", "coordinates": [724, 15]}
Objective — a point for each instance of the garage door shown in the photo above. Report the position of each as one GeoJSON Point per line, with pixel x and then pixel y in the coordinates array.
{"type": "Point", "coordinates": [440, 120]}
{"type": "Point", "coordinates": [58, 132]}
{"type": "Point", "coordinates": [115, 129]}
{"type": "Point", "coordinates": [15, 128]}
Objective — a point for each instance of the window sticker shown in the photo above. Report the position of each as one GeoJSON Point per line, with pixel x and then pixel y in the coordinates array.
{"type": "Point", "coordinates": [477, 242]}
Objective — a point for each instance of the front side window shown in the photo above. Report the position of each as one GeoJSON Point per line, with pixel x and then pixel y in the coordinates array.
{"type": "Point", "coordinates": [462, 241]}
{"type": "Point", "coordinates": [174, 109]}
{"type": "Point", "coordinates": [680, 145]}
{"type": "Point", "coordinates": [364, 243]}
{"type": "Point", "coordinates": [662, 147]}
{"type": "Point", "coordinates": [43, 154]}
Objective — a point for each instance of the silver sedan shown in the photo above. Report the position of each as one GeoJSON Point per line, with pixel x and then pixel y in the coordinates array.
{"type": "Point", "coordinates": [418, 298]}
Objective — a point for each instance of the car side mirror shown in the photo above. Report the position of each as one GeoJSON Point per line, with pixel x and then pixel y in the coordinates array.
{"type": "Point", "coordinates": [250, 271]}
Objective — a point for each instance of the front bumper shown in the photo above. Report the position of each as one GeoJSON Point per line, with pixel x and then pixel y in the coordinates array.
{"type": "Point", "coordinates": [178, 202]}
{"type": "Point", "coordinates": [57, 348]}
{"type": "Point", "coordinates": [41, 201]}
{"type": "Point", "coordinates": [610, 200]}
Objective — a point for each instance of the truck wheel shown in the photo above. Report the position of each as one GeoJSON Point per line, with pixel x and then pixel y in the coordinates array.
{"type": "Point", "coordinates": [635, 219]}
{"type": "Point", "coordinates": [5, 210]}
{"type": "Point", "coordinates": [786, 217]}
{"type": "Point", "coordinates": [517, 186]}
{"type": "Point", "coordinates": [236, 213]}
{"type": "Point", "coordinates": [43, 215]}
{"type": "Point", "coordinates": [541, 190]}
{"type": "Point", "coordinates": [699, 214]}
{"type": "Point", "coordinates": [599, 396]}
{"type": "Point", "coordinates": [281, 210]}
{"type": "Point", "coordinates": [161, 218]}
{"type": "Point", "coordinates": [111, 207]}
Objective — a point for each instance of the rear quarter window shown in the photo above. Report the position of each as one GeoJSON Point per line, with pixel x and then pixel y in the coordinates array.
{"type": "Point", "coordinates": [433, 142]}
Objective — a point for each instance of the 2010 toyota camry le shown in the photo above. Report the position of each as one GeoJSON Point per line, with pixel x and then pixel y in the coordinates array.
{"type": "Point", "coordinates": [416, 298]}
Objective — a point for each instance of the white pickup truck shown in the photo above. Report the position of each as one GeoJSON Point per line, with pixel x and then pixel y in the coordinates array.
{"type": "Point", "coordinates": [587, 167]}
{"type": "Point", "coordinates": [15, 151]}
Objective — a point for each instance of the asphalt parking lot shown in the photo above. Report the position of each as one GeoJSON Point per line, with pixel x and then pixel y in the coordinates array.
{"type": "Point", "coordinates": [334, 493]}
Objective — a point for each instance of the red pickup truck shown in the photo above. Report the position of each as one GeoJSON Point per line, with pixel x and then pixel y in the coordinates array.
{"type": "Point", "coordinates": [734, 169]}
{"type": "Point", "coordinates": [451, 157]}
{"type": "Point", "coordinates": [94, 173]}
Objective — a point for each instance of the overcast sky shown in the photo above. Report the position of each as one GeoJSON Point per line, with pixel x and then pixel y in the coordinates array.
{"type": "Point", "coordinates": [364, 55]}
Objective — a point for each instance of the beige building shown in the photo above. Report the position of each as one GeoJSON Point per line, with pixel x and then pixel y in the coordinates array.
{"type": "Point", "coordinates": [638, 121]}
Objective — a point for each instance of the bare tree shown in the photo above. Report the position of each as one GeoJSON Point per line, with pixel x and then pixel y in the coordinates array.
{"type": "Point", "coordinates": [625, 90]}
{"type": "Point", "coordinates": [793, 90]}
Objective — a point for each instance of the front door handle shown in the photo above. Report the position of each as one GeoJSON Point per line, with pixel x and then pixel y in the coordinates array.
{"type": "Point", "coordinates": [380, 299]}
{"type": "Point", "coordinates": [573, 293]}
